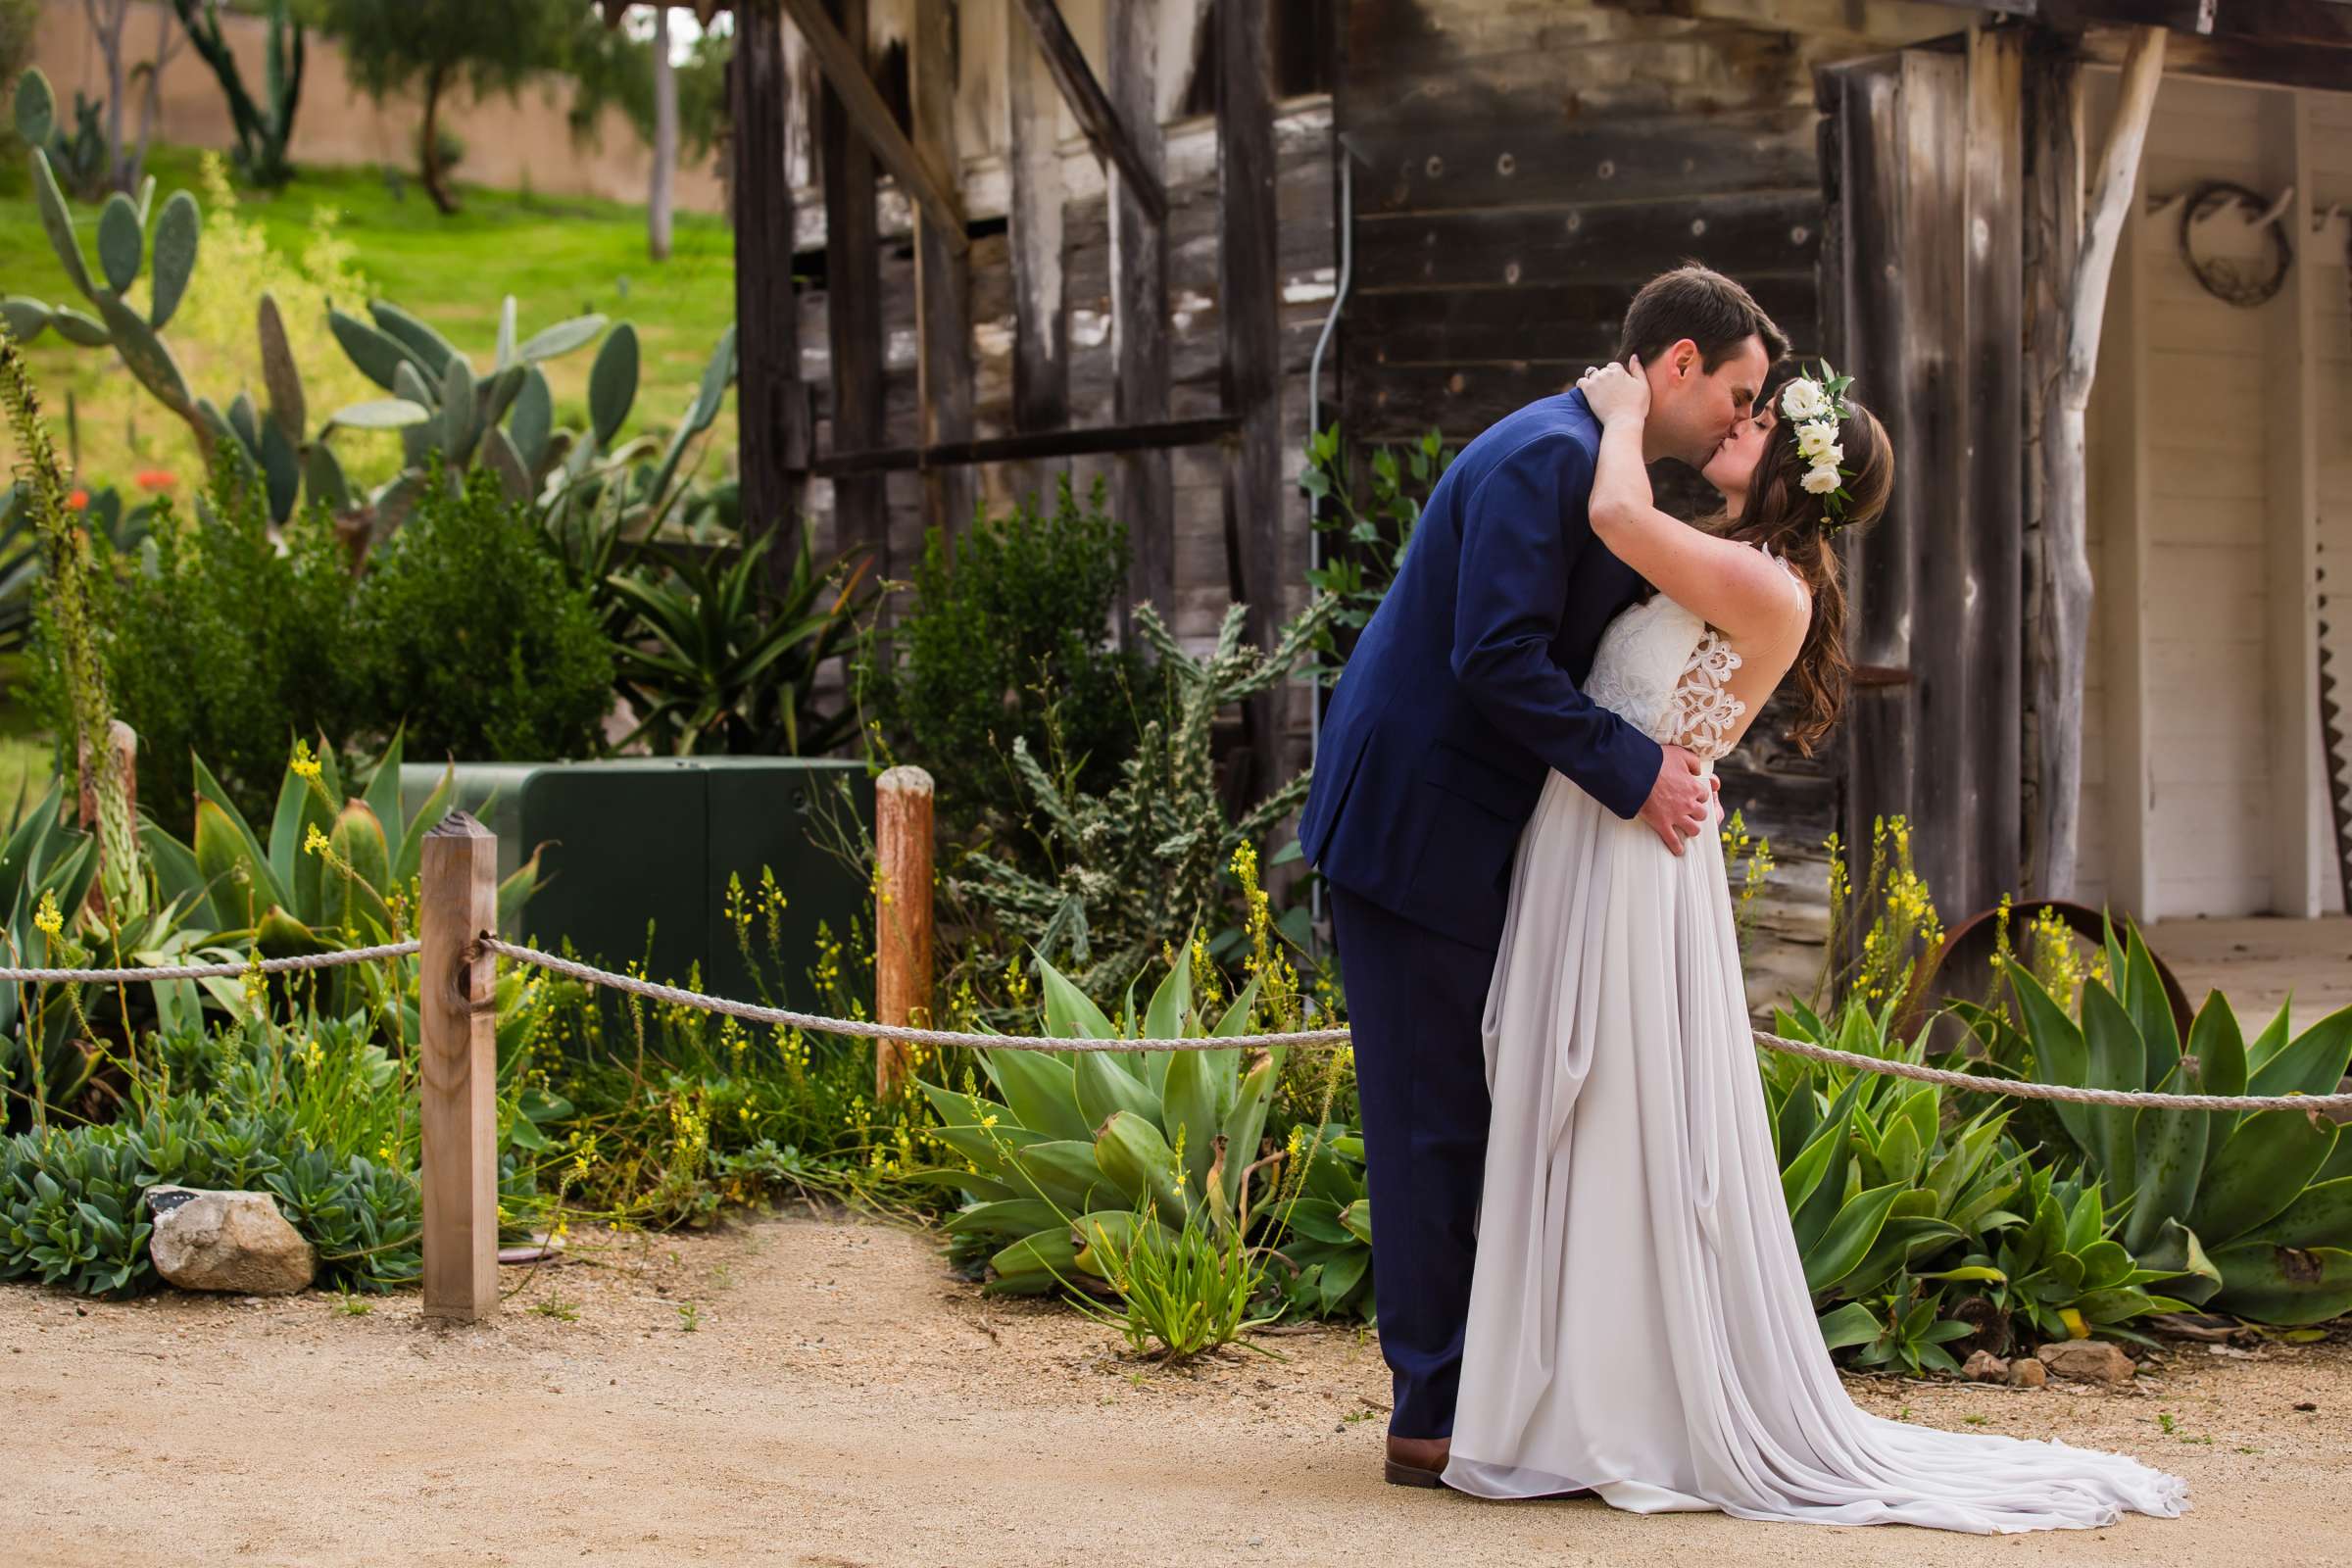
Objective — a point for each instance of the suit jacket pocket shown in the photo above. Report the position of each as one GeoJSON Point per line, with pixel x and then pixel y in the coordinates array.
{"type": "Point", "coordinates": [1458, 773]}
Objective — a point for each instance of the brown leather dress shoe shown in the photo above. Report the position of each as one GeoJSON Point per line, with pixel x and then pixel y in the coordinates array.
{"type": "Point", "coordinates": [1416, 1461]}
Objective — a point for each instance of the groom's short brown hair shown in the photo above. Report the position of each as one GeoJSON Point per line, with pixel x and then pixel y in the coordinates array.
{"type": "Point", "coordinates": [1702, 304]}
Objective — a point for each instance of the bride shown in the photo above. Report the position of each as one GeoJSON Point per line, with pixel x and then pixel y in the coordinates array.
{"type": "Point", "coordinates": [1639, 1319]}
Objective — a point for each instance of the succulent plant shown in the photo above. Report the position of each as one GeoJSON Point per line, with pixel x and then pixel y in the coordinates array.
{"type": "Point", "coordinates": [1082, 1145]}
{"type": "Point", "coordinates": [2249, 1213]}
{"type": "Point", "coordinates": [83, 157]}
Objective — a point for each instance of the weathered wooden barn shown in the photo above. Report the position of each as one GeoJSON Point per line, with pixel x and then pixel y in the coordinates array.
{"type": "Point", "coordinates": [1110, 234]}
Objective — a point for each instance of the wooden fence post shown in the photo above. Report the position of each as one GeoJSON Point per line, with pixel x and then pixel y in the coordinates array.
{"type": "Point", "coordinates": [902, 916]}
{"type": "Point", "coordinates": [457, 1050]}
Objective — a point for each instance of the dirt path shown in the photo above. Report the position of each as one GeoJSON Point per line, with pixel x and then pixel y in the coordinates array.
{"type": "Point", "coordinates": [842, 1400]}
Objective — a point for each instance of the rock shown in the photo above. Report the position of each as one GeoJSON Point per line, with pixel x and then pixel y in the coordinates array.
{"type": "Point", "coordinates": [2027, 1372]}
{"type": "Point", "coordinates": [220, 1241]}
{"type": "Point", "coordinates": [2089, 1360]}
{"type": "Point", "coordinates": [1985, 1368]}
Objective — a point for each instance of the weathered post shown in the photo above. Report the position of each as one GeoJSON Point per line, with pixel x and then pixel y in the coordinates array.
{"type": "Point", "coordinates": [902, 916]}
{"type": "Point", "coordinates": [457, 1050]}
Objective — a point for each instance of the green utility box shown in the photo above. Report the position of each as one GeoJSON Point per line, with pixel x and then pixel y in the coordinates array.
{"type": "Point", "coordinates": [654, 839]}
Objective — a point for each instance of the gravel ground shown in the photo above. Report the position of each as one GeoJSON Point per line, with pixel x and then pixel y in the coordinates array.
{"type": "Point", "coordinates": [841, 1399]}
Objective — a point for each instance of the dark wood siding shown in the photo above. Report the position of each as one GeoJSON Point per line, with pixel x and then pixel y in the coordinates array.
{"type": "Point", "coordinates": [1528, 166]}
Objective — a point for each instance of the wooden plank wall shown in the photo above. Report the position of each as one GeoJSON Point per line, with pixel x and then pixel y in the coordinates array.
{"type": "Point", "coordinates": [1529, 164]}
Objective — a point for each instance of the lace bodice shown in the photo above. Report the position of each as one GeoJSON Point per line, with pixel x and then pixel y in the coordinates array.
{"type": "Point", "coordinates": [1668, 673]}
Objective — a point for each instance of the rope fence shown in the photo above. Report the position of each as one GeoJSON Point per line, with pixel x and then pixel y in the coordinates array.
{"type": "Point", "coordinates": [910, 1035]}
{"type": "Point", "coordinates": [457, 1052]}
{"type": "Point", "coordinates": [212, 971]}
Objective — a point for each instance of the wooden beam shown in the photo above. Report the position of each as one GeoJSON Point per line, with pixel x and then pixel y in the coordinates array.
{"type": "Point", "coordinates": [1143, 487]}
{"type": "Point", "coordinates": [1106, 128]}
{"type": "Point", "coordinates": [854, 308]}
{"type": "Point", "coordinates": [2052, 238]}
{"type": "Point", "coordinates": [1989, 529]}
{"type": "Point", "coordinates": [771, 410]}
{"type": "Point", "coordinates": [942, 309]}
{"type": "Point", "coordinates": [930, 183]}
{"type": "Point", "coordinates": [1041, 338]}
{"type": "Point", "coordinates": [2280, 22]}
{"type": "Point", "coordinates": [2234, 59]}
{"type": "Point", "coordinates": [1088, 440]}
{"type": "Point", "coordinates": [1247, 295]}
{"type": "Point", "coordinates": [2058, 701]}
{"type": "Point", "coordinates": [1864, 269]}
{"type": "Point", "coordinates": [2128, 805]}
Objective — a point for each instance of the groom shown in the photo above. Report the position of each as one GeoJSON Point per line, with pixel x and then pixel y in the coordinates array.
{"type": "Point", "coordinates": [1460, 696]}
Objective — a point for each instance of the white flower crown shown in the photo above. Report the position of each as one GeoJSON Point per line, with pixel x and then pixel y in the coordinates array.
{"type": "Point", "coordinates": [1818, 410]}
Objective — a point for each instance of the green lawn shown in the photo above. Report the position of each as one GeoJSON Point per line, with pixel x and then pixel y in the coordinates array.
{"type": "Point", "coordinates": [559, 257]}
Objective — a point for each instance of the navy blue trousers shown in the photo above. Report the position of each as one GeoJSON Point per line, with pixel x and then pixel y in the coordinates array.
{"type": "Point", "coordinates": [1415, 999]}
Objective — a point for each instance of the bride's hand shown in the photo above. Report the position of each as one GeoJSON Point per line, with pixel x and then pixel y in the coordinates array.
{"type": "Point", "coordinates": [1616, 393]}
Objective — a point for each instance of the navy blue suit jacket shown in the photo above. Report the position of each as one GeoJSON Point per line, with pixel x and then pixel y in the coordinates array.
{"type": "Point", "coordinates": [1464, 689]}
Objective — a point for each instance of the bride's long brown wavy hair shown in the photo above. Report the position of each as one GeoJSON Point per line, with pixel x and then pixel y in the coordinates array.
{"type": "Point", "coordinates": [1788, 520]}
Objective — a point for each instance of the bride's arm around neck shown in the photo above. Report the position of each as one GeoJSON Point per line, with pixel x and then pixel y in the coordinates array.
{"type": "Point", "coordinates": [1733, 586]}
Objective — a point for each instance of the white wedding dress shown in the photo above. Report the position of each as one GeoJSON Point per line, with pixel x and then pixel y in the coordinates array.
{"type": "Point", "coordinates": [1639, 1319]}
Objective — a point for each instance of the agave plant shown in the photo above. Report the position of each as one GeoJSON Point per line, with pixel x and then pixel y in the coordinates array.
{"type": "Point", "coordinates": [54, 1038]}
{"type": "Point", "coordinates": [46, 870]}
{"type": "Point", "coordinates": [2064, 1271]}
{"type": "Point", "coordinates": [1874, 1181]}
{"type": "Point", "coordinates": [329, 876]}
{"type": "Point", "coordinates": [1082, 1147]}
{"type": "Point", "coordinates": [2248, 1212]}
{"type": "Point", "coordinates": [713, 663]}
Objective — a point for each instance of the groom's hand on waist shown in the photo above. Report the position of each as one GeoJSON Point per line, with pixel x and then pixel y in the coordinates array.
{"type": "Point", "coordinates": [1680, 800]}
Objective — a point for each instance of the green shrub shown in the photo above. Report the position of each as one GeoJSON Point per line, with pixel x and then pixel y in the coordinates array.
{"type": "Point", "coordinates": [217, 643]}
{"type": "Point", "coordinates": [1009, 634]}
{"type": "Point", "coordinates": [472, 637]}
{"type": "Point", "coordinates": [1101, 880]}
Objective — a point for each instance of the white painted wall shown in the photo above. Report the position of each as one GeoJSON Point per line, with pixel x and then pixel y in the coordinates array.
{"type": "Point", "coordinates": [2197, 494]}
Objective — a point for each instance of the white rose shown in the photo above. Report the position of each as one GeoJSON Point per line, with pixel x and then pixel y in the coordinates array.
{"type": "Point", "coordinates": [1803, 399]}
{"type": "Point", "coordinates": [1819, 443]}
{"type": "Point", "coordinates": [1822, 480]}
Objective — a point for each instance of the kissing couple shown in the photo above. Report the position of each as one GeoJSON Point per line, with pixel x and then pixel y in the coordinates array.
{"type": "Point", "coordinates": [1582, 1265]}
